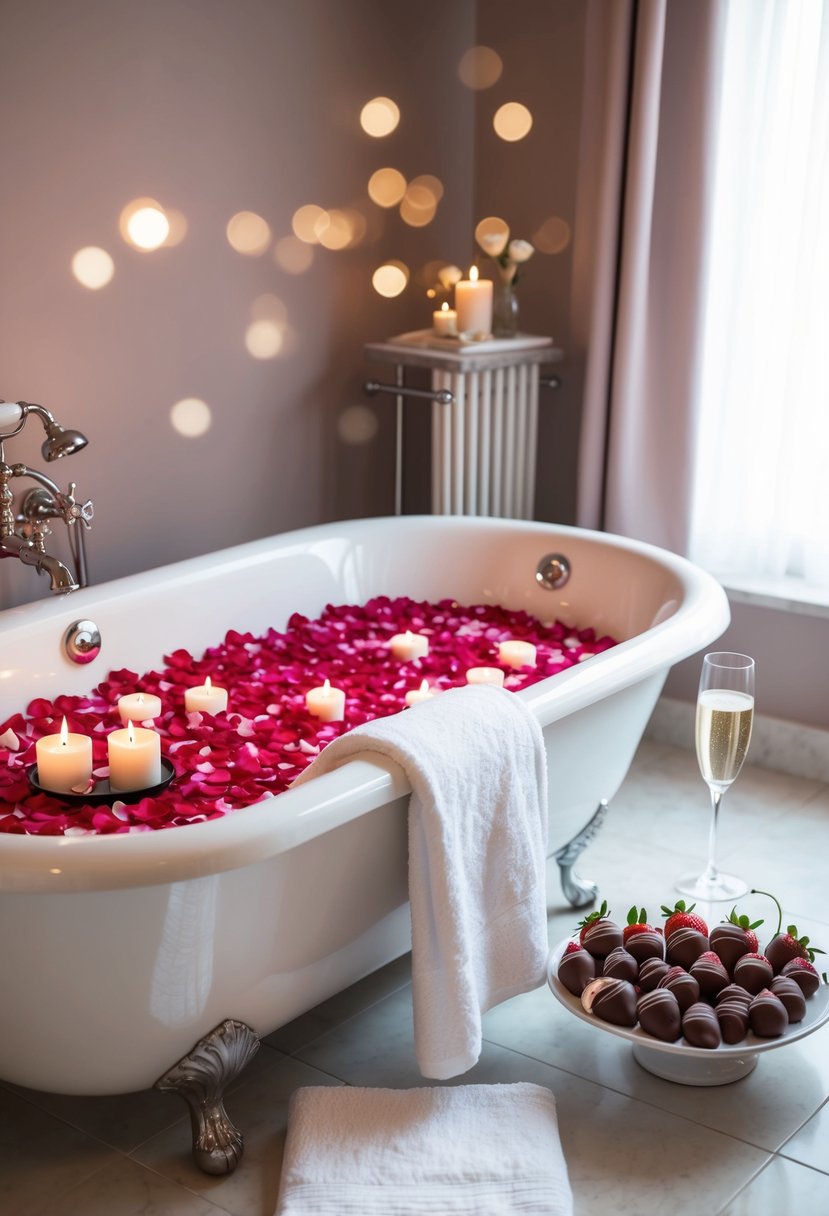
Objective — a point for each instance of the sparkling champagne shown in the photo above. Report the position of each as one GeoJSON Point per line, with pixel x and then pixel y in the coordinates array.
{"type": "Point", "coordinates": [724, 721]}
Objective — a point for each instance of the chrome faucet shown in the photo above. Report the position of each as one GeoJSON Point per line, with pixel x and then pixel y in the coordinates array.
{"type": "Point", "coordinates": [23, 532]}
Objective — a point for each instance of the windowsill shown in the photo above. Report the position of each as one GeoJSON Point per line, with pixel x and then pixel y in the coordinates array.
{"type": "Point", "coordinates": [782, 594]}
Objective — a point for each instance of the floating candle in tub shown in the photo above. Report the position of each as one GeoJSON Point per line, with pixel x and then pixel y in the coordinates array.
{"type": "Point", "coordinates": [207, 698]}
{"type": "Point", "coordinates": [473, 301]}
{"type": "Point", "coordinates": [409, 645]}
{"type": "Point", "coordinates": [485, 675]}
{"type": "Point", "coordinates": [415, 695]}
{"type": "Point", "coordinates": [64, 761]}
{"type": "Point", "coordinates": [445, 321]}
{"type": "Point", "coordinates": [326, 703]}
{"type": "Point", "coordinates": [134, 758]}
{"type": "Point", "coordinates": [139, 707]}
{"type": "Point", "coordinates": [517, 654]}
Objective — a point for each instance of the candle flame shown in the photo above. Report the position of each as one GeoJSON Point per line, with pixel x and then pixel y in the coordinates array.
{"type": "Point", "coordinates": [207, 682]}
{"type": "Point", "coordinates": [473, 274]}
{"type": "Point", "coordinates": [409, 635]}
{"type": "Point", "coordinates": [64, 734]}
{"type": "Point", "coordinates": [424, 686]}
{"type": "Point", "coordinates": [130, 733]}
{"type": "Point", "coordinates": [444, 307]}
{"type": "Point", "coordinates": [326, 688]}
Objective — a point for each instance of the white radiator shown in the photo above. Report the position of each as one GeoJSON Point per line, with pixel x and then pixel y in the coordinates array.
{"type": "Point", "coordinates": [484, 442]}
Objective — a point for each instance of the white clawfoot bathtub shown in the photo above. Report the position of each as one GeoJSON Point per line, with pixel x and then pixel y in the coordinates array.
{"type": "Point", "coordinates": [119, 952]}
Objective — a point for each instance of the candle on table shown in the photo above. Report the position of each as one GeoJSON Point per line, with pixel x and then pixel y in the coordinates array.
{"type": "Point", "coordinates": [473, 301]}
{"type": "Point", "coordinates": [206, 698]}
{"type": "Point", "coordinates": [445, 321]}
{"type": "Point", "coordinates": [326, 703]}
{"type": "Point", "coordinates": [517, 654]}
{"type": "Point", "coordinates": [139, 707]}
{"type": "Point", "coordinates": [409, 645]}
{"type": "Point", "coordinates": [485, 675]}
{"type": "Point", "coordinates": [64, 761]}
{"type": "Point", "coordinates": [134, 758]}
{"type": "Point", "coordinates": [415, 695]}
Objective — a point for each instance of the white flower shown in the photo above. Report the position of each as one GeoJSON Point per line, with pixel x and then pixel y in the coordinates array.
{"type": "Point", "coordinates": [520, 251]}
{"type": "Point", "coordinates": [494, 243]}
{"type": "Point", "coordinates": [450, 275]}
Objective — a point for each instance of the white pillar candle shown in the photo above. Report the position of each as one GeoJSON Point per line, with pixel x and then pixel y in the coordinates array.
{"type": "Point", "coordinates": [134, 758]}
{"type": "Point", "coordinates": [517, 654]}
{"type": "Point", "coordinates": [409, 645]}
{"type": "Point", "coordinates": [485, 675]}
{"type": "Point", "coordinates": [415, 695]}
{"type": "Point", "coordinates": [139, 707]}
{"type": "Point", "coordinates": [445, 321]}
{"type": "Point", "coordinates": [473, 301]}
{"type": "Point", "coordinates": [207, 698]}
{"type": "Point", "coordinates": [64, 761]}
{"type": "Point", "coordinates": [326, 703]}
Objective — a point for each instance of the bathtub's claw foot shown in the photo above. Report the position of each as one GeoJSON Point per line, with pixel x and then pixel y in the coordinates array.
{"type": "Point", "coordinates": [201, 1078]}
{"type": "Point", "coordinates": [579, 891]}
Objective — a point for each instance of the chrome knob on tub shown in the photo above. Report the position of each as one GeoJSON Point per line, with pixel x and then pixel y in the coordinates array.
{"type": "Point", "coordinates": [82, 641]}
{"type": "Point", "coordinates": [553, 571]}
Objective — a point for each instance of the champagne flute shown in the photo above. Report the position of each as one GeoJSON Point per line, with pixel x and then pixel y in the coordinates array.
{"type": "Point", "coordinates": [725, 714]}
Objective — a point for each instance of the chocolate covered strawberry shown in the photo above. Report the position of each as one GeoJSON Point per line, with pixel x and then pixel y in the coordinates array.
{"type": "Point", "coordinates": [747, 926]}
{"type": "Point", "coordinates": [804, 974]}
{"type": "Point", "coordinates": [733, 938]}
{"type": "Point", "coordinates": [680, 917]}
{"type": "Point", "coordinates": [598, 934]}
{"type": "Point", "coordinates": [784, 947]}
{"type": "Point", "coordinates": [591, 919]}
{"type": "Point", "coordinates": [637, 922]}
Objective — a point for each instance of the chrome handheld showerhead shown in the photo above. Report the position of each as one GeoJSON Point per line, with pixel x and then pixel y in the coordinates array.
{"type": "Point", "coordinates": [60, 441]}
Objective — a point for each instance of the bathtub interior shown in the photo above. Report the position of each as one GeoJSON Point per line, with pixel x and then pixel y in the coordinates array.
{"type": "Point", "coordinates": [252, 587]}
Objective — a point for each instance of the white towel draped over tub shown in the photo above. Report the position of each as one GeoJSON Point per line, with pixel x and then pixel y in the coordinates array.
{"type": "Point", "coordinates": [476, 1150]}
{"type": "Point", "coordinates": [475, 759]}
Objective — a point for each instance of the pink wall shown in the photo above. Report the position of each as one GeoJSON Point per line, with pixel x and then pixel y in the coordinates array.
{"type": "Point", "coordinates": [214, 107]}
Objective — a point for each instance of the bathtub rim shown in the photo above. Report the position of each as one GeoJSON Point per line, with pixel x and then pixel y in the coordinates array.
{"type": "Point", "coordinates": [252, 834]}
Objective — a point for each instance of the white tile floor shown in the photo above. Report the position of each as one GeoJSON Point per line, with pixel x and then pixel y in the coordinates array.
{"type": "Point", "coordinates": [634, 1144]}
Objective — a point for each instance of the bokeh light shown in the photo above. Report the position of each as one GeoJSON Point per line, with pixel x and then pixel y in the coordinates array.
{"type": "Point", "coordinates": [334, 229]}
{"type": "Point", "coordinates": [191, 417]}
{"type": "Point", "coordinates": [93, 267]}
{"type": "Point", "coordinates": [512, 121]}
{"type": "Point", "coordinates": [305, 221]}
{"type": "Point", "coordinates": [144, 225]}
{"type": "Point", "coordinates": [390, 279]}
{"type": "Point", "coordinates": [248, 233]}
{"type": "Point", "coordinates": [386, 187]}
{"type": "Point", "coordinates": [293, 255]}
{"type": "Point", "coordinates": [379, 117]}
{"type": "Point", "coordinates": [264, 339]}
{"type": "Point", "coordinates": [480, 67]}
{"type": "Point", "coordinates": [420, 203]}
{"type": "Point", "coordinates": [492, 234]}
{"type": "Point", "coordinates": [357, 424]}
{"type": "Point", "coordinates": [553, 236]}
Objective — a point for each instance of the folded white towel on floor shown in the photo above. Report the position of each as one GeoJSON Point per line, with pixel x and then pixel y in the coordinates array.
{"type": "Point", "coordinates": [481, 1150]}
{"type": "Point", "coordinates": [475, 759]}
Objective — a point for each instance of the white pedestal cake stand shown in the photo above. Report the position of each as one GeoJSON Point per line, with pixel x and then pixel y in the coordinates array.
{"type": "Point", "coordinates": [678, 1061]}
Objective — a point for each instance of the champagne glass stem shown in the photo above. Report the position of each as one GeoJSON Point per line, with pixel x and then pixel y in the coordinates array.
{"type": "Point", "coordinates": [711, 874]}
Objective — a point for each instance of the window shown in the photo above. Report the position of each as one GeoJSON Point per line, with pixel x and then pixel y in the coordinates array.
{"type": "Point", "coordinates": [761, 488]}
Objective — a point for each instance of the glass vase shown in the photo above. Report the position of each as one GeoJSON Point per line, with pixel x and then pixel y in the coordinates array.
{"type": "Point", "coordinates": [504, 310]}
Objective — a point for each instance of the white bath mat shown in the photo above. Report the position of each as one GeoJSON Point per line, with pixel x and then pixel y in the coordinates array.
{"type": "Point", "coordinates": [476, 1150]}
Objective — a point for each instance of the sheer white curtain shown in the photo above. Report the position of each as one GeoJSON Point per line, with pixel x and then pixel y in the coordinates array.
{"type": "Point", "coordinates": [760, 495]}
{"type": "Point", "coordinates": [641, 318]}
